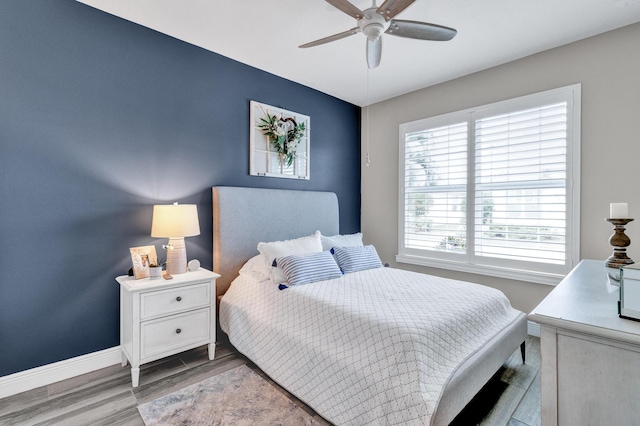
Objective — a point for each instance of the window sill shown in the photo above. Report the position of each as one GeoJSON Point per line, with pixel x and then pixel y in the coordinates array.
{"type": "Point", "coordinates": [492, 271]}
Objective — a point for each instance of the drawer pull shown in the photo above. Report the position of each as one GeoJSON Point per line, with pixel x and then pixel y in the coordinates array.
{"type": "Point", "coordinates": [178, 331]}
{"type": "Point", "coordinates": [179, 298]}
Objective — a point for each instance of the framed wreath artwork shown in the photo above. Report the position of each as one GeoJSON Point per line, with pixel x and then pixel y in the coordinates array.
{"type": "Point", "coordinates": [279, 142]}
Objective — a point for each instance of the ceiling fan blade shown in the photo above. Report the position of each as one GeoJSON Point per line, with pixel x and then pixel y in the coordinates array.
{"type": "Point", "coordinates": [334, 37]}
{"type": "Point", "coordinates": [374, 51]}
{"type": "Point", "coordinates": [347, 8]}
{"type": "Point", "coordinates": [420, 30]}
{"type": "Point", "coordinates": [390, 8]}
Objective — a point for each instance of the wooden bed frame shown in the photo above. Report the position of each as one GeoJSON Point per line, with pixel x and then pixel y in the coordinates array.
{"type": "Point", "coordinates": [242, 217]}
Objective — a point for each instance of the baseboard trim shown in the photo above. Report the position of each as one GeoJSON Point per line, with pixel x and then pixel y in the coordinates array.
{"type": "Point", "coordinates": [57, 371]}
{"type": "Point", "coordinates": [62, 370]}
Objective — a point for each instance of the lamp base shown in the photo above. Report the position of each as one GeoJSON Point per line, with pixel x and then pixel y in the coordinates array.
{"type": "Point", "coordinates": [176, 256]}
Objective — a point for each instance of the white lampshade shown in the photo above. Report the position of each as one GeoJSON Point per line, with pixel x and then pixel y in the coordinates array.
{"type": "Point", "coordinates": [175, 220]}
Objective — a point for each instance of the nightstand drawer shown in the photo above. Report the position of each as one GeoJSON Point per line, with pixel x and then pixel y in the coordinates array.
{"type": "Point", "coordinates": [172, 334]}
{"type": "Point", "coordinates": [163, 302]}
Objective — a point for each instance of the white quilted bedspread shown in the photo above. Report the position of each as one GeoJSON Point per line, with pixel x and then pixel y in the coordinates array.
{"type": "Point", "coordinates": [372, 347]}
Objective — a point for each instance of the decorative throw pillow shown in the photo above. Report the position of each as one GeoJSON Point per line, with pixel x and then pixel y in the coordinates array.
{"type": "Point", "coordinates": [299, 246]}
{"type": "Point", "coordinates": [353, 259]}
{"type": "Point", "coordinates": [348, 240]}
{"type": "Point", "coordinates": [309, 268]}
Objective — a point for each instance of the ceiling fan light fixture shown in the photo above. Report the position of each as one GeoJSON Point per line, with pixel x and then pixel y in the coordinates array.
{"type": "Point", "coordinates": [374, 52]}
{"type": "Point", "coordinates": [373, 31]}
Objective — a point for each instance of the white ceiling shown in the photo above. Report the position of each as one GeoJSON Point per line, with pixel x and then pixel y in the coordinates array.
{"type": "Point", "coordinates": [266, 35]}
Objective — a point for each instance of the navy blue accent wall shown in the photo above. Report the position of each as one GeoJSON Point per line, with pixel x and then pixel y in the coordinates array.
{"type": "Point", "coordinates": [100, 119]}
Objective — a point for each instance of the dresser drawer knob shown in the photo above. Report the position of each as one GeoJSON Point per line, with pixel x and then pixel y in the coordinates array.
{"type": "Point", "coordinates": [178, 331]}
{"type": "Point", "coordinates": [179, 298]}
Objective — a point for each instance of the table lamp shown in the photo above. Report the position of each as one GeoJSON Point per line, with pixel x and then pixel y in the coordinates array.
{"type": "Point", "coordinates": [175, 222]}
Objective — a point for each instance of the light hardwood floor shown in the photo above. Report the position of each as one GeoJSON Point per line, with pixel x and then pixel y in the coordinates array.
{"type": "Point", "coordinates": [105, 397]}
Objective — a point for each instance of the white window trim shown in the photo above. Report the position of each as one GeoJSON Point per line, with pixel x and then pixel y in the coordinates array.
{"type": "Point", "coordinates": [572, 197]}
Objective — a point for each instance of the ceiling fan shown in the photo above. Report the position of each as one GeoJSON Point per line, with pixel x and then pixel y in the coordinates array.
{"type": "Point", "coordinates": [374, 21]}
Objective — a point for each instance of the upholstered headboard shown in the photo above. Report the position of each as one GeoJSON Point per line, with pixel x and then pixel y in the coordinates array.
{"type": "Point", "coordinates": [243, 217]}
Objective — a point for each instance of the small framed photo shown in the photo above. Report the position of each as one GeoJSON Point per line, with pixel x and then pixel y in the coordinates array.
{"type": "Point", "coordinates": [142, 257]}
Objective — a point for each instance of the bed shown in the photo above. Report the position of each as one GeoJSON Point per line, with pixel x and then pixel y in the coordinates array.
{"type": "Point", "coordinates": [359, 348]}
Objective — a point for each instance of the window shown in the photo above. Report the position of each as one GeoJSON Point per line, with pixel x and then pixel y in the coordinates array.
{"type": "Point", "coordinates": [494, 190]}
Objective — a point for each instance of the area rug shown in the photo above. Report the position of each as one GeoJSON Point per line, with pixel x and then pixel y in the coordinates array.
{"type": "Point", "coordinates": [235, 397]}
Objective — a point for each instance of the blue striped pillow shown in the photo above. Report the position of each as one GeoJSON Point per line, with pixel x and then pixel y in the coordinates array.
{"type": "Point", "coordinates": [353, 259]}
{"type": "Point", "coordinates": [309, 268]}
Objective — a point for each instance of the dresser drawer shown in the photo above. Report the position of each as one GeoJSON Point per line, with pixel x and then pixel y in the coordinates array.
{"type": "Point", "coordinates": [173, 334]}
{"type": "Point", "coordinates": [163, 302]}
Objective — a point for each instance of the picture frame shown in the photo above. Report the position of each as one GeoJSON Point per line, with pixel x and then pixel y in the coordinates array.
{"type": "Point", "coordinates": [271, 159]}
{"type": "Point", "coordinates": [142, 257]}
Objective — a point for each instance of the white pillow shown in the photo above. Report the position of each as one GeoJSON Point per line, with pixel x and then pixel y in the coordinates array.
{"type": "Point", "coordinates": [256, 268]}
{"type": "Point", "coordinates": [299, 246]}
{"type": "Point", "coordinates": [349, 240]}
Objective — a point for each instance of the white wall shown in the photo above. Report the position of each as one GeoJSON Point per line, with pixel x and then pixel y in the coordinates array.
{"type": "Point", "coordinates": [608, 66]}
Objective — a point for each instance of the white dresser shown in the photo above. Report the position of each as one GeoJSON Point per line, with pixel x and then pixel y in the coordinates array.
{"type": "Point", "coordinates": [590, 370]}
{"type": "Point", "coordinates": [160, 317]}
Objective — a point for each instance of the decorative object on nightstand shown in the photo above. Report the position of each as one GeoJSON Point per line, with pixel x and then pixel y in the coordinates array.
{"type": "Point", "coordinates": [619, 240]}
{"type": "Point", "coordinates": [175, 222]}
{"type": "Point", "coordinates": [155, 272]}
{"type": "Point", "coordinates": [159, 318]}
{"type": "Point", "coordinates": [142, 258]}
{"type": "Point", "coordinates": [155, 269]}
{"type": "Point", "coordinates": [193, 265]}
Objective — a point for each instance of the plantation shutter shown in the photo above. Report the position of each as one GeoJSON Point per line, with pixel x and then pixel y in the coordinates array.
{"type": "Point", "coordinates": [520, 185]}
{"type": "Point", "coordinates": [436, 188]}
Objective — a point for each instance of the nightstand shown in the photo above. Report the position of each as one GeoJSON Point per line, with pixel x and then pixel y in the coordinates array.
{"type": "Point", "coordinates": [162, 317]}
